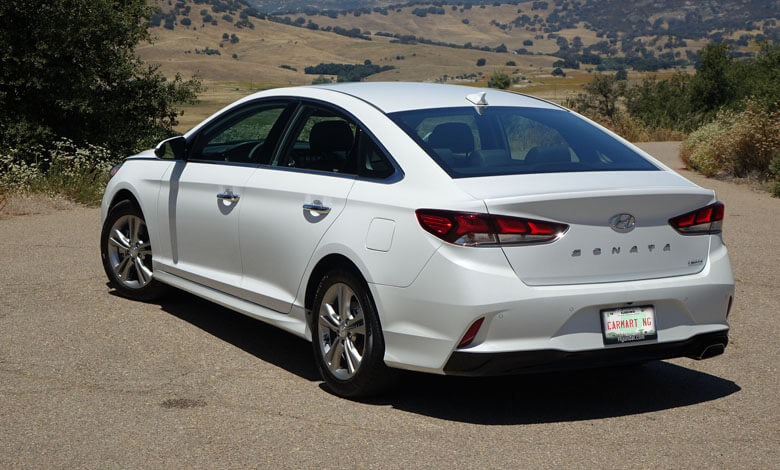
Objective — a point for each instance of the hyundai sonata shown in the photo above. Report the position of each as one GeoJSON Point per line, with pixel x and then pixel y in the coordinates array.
{"type": "Point", "coordinates": [426, 227]}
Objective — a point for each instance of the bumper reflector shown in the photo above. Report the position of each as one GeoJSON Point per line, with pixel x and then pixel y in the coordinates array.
{"type": "Point", "coordinates": [471, 333]}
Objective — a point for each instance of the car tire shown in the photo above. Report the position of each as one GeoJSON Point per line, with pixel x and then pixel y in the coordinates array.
{"type": "Point", "coordinates": [126, 253]}
{"type": "Point", "coordinates": [345, 326]}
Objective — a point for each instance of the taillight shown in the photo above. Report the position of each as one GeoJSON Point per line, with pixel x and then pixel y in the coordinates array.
{"type": "Point", "coordinates": [701, 221]}
{"type": "Point", "coordinates": [473, 229]}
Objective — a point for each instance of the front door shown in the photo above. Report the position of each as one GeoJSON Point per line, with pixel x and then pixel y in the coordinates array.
{"type": "Point", "coordinates": [202, 198]}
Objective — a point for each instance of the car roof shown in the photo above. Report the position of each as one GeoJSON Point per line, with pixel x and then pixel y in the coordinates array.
{"type": "Point", "coordinates": [392, 97]}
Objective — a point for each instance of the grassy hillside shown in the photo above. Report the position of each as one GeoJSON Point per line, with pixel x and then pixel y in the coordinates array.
{"type": "Point", "coordinates": [236, 49]}
{"type": "Point", "coordinates": [660, 26]}
{"type": "Point", "coordinates": [262, 50]}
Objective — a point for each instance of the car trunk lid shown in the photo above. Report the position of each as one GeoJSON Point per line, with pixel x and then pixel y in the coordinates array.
{"type": "Point", "coordinates": [591, 250]}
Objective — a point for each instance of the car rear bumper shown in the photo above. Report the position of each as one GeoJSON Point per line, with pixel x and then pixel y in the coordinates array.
{"type": "Point", "coordinates": [423, 323]}
{"type": "Point", "coordinates": [701, 346]}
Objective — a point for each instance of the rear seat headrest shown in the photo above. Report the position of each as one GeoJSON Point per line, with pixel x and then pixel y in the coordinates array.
{"type": "Point", "coordinates": [331, 136]}
{"type": "Point", "coordinates": [455, 136]}
{"type": "Point", "coordinates": [548, 154]}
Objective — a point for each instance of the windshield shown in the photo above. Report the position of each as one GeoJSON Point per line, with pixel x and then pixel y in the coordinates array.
{"type": "Point", "coordinates": [513, 140]}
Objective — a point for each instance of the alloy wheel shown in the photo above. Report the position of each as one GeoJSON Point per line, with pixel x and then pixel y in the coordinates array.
{"type": "Point", "coordinates": [342, 331]}
{"type": "Point", "coordinates": [129, 252]}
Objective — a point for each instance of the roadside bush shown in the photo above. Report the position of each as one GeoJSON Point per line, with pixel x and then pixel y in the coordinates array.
{"type": "Point", "coordinates": [738, 144]}
{"type": "Point", "coordinates": [79, 173]}
{"type": "Point", "coordinates": [698, 151]}
{"type": "Point", "coordinates": [774, 168]}
{"type": "Point", "coordinates": [627, 127]}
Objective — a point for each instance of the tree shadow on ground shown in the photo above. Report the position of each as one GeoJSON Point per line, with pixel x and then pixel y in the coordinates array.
{"type": "Point", "coordinates": [510, 400]}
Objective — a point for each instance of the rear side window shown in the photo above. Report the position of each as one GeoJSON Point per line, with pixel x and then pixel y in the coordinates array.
{"type": "Point", "coordinates": [372, 161]}
{"type": "Point", "coordinates": [323, 139]}
{"type": "Point", "coordinates": [515, 140]}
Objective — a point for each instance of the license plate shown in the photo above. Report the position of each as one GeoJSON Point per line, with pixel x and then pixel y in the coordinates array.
{"type": "Point", "coordinates": [627, 324]}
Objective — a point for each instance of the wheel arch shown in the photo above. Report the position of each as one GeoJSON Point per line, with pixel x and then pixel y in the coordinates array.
{"type": "Point", "coordinates": [124, 194]}
{"type": "Point", "coordinates": [325, 264]}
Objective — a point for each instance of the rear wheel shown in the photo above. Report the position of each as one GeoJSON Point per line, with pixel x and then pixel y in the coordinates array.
{"type": "Point", "coordinates": [347, 337]}
{"type": "Point", "coordinates": [127, 253]}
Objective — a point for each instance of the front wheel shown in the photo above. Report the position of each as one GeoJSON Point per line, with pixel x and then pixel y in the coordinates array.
{"type": "Point", "coordinates": [127, 253]}
{"type": "Point", "coordinates": [347, 337]}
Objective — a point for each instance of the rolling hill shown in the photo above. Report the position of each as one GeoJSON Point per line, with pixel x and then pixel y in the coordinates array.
{"type": "Point", "coordinates": [236, 44]}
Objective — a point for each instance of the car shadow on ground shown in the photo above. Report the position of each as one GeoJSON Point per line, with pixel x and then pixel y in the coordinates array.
{"type": "Point", "coordinates": [557, 396]}
{"type": "Point", "coordinates": [263, 341]}
{"type": "Point", "coordinates": [510, 400]}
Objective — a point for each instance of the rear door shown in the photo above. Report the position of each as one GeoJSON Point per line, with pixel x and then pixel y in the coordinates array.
{"type": "Point", "coordinates": [292, 203]}
{"type": "Point", "coordinates": [203, 197]}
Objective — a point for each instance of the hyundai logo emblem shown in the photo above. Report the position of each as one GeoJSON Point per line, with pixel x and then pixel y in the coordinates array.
{"type": "Point", "coordinates": [622, 223]}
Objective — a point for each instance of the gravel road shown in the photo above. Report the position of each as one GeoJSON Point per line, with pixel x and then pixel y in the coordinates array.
{"type": "Point", "coordinates": [89, 379]}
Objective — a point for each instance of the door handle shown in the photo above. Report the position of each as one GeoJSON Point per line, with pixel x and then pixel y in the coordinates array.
{"type": "Point", "coordinates": [320, 209]}
{"type": "Point", "coordinates": [229, 197]}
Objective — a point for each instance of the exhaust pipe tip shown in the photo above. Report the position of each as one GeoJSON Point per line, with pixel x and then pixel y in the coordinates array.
{"type": "Point", "coordinates": [711, 350]}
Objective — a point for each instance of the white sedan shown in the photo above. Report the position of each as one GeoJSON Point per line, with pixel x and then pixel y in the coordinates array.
{"type": "Point", "coordinates": [426, 227]}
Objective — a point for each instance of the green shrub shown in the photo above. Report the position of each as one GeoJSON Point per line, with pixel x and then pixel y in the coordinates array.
{"type": "Point", "coordinates": [500, 80]}
{"type": "Point", "coordinates": [774, 169]}
{"type": "Point", "coordinates": [92, 90]}
{"type": "Point", "coordinates": [320, 80]}
{"type": "Point", "coordinates": [686, 102]}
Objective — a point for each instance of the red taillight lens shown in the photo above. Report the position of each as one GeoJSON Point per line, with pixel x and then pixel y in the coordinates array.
{"type": "Point", "coordinates": [472, 229]}
{"type": "Point", "coordinates": [471, 333]}
{"type": "Point", "coordinates": [435, 223]}
{"type": "Point", "coordinates": [701, 221]}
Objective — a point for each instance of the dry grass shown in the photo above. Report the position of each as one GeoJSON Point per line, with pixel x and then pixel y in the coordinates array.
{"type": "Point", "coordinates": [27, 203]}
{"type": "Point", "coordinates": [450, 28]}
{"type": "Point", "coordinates": [261, 51]}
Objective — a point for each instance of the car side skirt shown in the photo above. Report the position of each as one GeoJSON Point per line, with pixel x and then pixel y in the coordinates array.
{"type": "Point", "coordinates": [288, 323]}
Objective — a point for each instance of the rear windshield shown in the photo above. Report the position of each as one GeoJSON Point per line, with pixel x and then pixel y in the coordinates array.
{"type": "Point", "coordinates": [513, 140]}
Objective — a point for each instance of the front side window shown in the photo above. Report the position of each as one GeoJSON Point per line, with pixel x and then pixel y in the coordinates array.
{"type": "Point", "coordinates": [247, 135]}
{"type": "Point", "coordinates": [515, 140]}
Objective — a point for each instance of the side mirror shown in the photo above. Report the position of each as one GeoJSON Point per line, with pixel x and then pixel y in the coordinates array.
{"type": "Point", "coordinates": [172, 149]}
